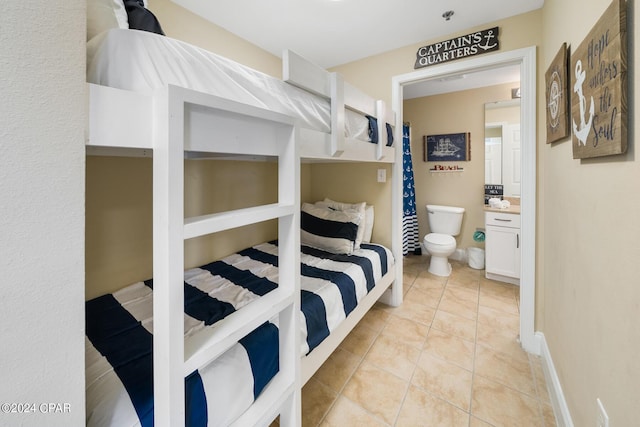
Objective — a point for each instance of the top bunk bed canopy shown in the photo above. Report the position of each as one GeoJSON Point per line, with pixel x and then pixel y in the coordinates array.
{"type": "Point", "coordinates": [128, 72]}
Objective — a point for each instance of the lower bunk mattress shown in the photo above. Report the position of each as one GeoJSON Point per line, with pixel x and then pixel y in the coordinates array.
{"type": "Point", "coordinates": [119, 326]}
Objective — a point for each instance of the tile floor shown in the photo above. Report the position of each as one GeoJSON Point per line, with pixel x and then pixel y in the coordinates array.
{"type": "Point", "coordinates": [447, 356]}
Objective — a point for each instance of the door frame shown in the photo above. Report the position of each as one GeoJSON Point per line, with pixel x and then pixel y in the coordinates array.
{"type": "Point", "coordinates": [526, 59]}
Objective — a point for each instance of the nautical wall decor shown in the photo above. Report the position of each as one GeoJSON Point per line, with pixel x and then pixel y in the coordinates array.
{"type": "Point", "coordinates": [556, 96]}
{"type": "Point", "coordinates": [477, 43]}
{"type": "Point", "coordinates": [451, 147]}
{"type": "Point", "coordinates": [493, 190]}
{"type": "Point", "coordinates": [598, 73]}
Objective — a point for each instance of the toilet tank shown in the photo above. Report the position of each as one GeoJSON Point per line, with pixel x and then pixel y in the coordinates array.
{"type": "Point", "coordinates": [445, 219]}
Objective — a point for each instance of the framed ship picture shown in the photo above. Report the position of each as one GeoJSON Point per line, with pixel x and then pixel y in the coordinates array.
{"type": "Point", "coordinates": [450, 147]}
{"type": "Point", "coordinates": [557, 97]}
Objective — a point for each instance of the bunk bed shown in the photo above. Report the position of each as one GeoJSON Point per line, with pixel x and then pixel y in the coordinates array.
{"type": "Point", "coordinates": [171, 120]}
{"type": "Point", "coordinates": [307, 93]}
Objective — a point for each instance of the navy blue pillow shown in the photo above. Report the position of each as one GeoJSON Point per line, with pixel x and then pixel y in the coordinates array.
{"type": "Point", "coordinates": [141, 18]}
{"type": "Point", "coordinates": [373, 129]}
{"type": "Point", "coordinates": [389, 135]}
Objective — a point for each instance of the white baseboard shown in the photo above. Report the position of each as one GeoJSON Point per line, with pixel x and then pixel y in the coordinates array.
{"type": "Point", "coordinates": [560, 408]}
{"type": "Point", "coordinates": [423, 249]}
{"type": "Point", "coordinates": [459, 255]}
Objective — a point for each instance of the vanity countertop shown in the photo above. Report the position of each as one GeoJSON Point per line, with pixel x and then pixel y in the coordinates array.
{"type": "Point", "coordinates": [513, 209]}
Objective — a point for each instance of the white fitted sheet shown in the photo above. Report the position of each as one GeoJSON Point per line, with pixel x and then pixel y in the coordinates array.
{"type": "Point", "coordinates": [144, 62]}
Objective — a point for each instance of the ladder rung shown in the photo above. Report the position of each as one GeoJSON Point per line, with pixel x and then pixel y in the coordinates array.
{"type": "Point", "coordinates": [212, 223]}
{"type": "Point", "coordinates": [211, 342]}
{"type": "Point", "coordinates": [272, 397]}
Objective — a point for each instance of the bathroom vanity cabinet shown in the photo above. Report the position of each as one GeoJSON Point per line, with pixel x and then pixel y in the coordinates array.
{"type": "Point", "coordinates": [502, 246]}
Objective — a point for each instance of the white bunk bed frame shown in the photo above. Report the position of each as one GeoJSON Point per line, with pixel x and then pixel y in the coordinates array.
{"type": "Point", "coordinates": [185, 123]}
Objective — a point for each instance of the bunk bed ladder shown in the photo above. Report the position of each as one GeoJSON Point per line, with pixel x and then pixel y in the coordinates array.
{"type": "Point", "coordinates": [187, 121]}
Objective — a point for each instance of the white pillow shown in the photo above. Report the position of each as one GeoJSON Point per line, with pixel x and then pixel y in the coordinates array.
{"type": "Point", "coordinates": [369, 216]}
{"type": "Point", "coordinates": [359, 208]}
{"type": "Point", "coordinates": [328, 229]}
{"type": "Point", "coordinates": [103, 15]}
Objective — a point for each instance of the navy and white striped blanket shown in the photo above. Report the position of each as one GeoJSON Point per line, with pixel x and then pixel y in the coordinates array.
{"type": "Point", "coordinates": [119, 361]}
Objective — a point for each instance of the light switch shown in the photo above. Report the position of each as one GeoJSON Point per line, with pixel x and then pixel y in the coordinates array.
{"type": "Point", "coordinates": [382, 175]}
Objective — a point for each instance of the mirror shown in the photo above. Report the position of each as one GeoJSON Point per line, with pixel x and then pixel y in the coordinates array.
{"type": "Point", "coordinates": [502, 145]}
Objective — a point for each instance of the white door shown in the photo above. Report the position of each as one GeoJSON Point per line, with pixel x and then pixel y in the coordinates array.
{"type": "Point", "coordinates": [492, 160]}
{"type": "Point", "coordinates": [511, 159]}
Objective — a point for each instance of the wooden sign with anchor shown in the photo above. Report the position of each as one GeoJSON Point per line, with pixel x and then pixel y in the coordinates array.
{"type": "Point", "coordinates": [477, 43]}
{"type": "Point", "coordinates": [598, 71]}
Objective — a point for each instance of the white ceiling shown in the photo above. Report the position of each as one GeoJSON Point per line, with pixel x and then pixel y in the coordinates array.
{"type": "Point", "coordinates": [496, 76]}
{"type": "Point", "coordinates": [335, 32]}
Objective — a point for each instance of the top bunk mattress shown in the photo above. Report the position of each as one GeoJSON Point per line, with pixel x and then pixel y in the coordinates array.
{"type": "Point", "coordinates": [145, 62]}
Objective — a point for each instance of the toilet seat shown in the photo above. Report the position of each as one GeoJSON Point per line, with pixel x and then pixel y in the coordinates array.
{"type": "Point", "coordinates": [439, 239]}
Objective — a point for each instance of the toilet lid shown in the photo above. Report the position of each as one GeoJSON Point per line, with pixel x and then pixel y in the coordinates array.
{"type": "Point", "coordinates": [439, 239]}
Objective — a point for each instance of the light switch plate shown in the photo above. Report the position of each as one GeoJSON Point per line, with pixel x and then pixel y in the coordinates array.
{"type": "Point", "coordinates": [382, 175]}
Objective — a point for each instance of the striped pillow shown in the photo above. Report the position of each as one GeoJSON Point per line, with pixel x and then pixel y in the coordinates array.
{"type": "Point", "coordinates": [328, 229]}
{"type": "Point", "coordinates": [359, 208]}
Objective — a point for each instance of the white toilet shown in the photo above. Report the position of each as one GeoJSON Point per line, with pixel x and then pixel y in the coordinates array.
{"type": "Point", "coordinates": [444, 223]}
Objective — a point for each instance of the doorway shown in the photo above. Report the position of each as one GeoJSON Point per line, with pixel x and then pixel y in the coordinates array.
{"type": "Point", "coordinates": [526, 59]}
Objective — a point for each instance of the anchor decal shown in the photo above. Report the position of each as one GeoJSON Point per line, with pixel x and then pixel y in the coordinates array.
{"type": "Point", "coordinates": [488, 37]}
{"type": "Point", "coordinates": [585, 127]}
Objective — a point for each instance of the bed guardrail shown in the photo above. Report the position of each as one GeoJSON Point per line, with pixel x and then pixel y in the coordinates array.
{"type": "Point", "coordinates": [312, 78]}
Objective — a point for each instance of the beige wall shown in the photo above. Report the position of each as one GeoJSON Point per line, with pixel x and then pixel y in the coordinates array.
{"type": "Point", "coordinates": [119, 210]}
{"type": "Point", "coordinates": [373, 75]}
{"type": "Point", "coordinates": [456, 112]}
{"type": "Point", "coordinates": [181, 24]}
{"type": "Point", "coordinates": [355, 183]}
{"type": "Point", "coordinates": [589, 234]}
{"type": "Point", "coordinates": [506, 114]}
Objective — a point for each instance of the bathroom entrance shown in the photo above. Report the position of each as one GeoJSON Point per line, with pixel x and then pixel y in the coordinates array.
{"type": "Point", "coordinates": [524, 59]}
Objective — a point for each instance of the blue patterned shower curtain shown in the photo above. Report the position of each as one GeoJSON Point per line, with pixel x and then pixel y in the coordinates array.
{"type": "Point", "coordinates": [410, 239]}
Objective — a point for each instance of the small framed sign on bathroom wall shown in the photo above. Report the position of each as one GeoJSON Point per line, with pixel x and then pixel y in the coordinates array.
{"type": "Point", "coordinates": [493, 190]}
{"type": "Point", "coordinates": [450, 147]}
